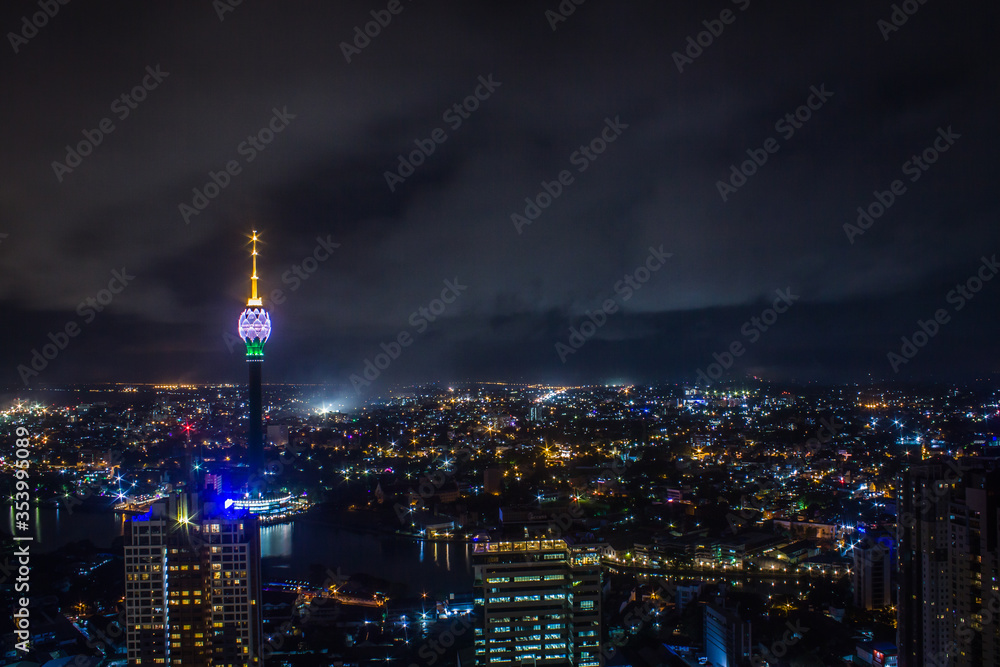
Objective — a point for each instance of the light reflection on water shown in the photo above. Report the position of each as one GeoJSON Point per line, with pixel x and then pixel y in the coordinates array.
{"type": "Point", "coordinates": [54, 527]}
{"type": "Point", "coordinates": [289, 549]}
{"type": "Point", "coordinates": [276, 541]}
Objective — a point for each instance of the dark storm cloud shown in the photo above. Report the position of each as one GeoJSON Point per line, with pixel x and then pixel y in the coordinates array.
{"type": "Point", "coordinates": [656, 185]}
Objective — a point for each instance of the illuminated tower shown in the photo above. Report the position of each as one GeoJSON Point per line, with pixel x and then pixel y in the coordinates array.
{"type": "Point", "coordinates": [255, 328]}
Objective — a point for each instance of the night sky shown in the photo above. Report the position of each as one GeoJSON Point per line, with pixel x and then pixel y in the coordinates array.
{"type": "Point", "coordinates": [879, 95]}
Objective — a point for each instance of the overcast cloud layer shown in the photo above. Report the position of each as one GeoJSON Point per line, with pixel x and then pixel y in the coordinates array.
{"type": "Point", "coordinates": [323, 176]}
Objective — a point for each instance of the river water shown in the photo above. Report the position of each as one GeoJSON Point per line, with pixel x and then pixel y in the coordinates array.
{"type": "Point", "coordinates": [289, 550]}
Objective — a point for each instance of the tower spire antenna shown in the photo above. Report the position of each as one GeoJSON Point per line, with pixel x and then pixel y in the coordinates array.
{"type": "Point", "coordinates": [254, 299]}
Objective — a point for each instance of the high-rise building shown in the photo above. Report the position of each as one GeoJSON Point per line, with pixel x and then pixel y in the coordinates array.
{"type": "Point", "coordinates": [728, 637]}
{"type": "Point", "coordinates": [213, 483]}
{"type": "Point", "coordinates": [493, 481]}
{"type": "Point", "coordinates": [949, 571]}
{"type": "Point", "coordinates": [540, 604]}
{"type": "Point", "coordinates": [192, 585]}
{"type": "Point", "coordinates": [871, 575]}
{"type": "Point", "coordinates": [585, 574]}
{"type": "Point", "coordinates": [255, 328]}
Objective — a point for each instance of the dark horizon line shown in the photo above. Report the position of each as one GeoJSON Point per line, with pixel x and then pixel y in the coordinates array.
{"type": "Point", "coordinates": [929, 381]}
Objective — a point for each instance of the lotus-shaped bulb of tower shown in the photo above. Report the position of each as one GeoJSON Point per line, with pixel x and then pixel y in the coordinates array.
{"type": "Point", "coordinates": [255, 324]}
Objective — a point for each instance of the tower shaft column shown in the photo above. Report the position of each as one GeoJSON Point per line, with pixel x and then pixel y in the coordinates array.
{"type": "Point", "coordinates": [255, 427]}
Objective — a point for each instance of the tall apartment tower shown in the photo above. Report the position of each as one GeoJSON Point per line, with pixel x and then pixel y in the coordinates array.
{"type": "Point", "coordinates": [540, 604]}
{"type": "Point", "coordinates": [728, 638]}
{"type": "Point", "coordinates": [192, 585]}
{"type": "Point", "coordinates": [585, 575]}
{"type": "Point", "coordinates": [871, 575]}
{"type": "Point", "coordinates": [949, 574]}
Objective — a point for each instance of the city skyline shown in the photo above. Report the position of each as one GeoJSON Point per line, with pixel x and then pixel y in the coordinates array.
{"type": "Point", "coordinates": [738, 524]}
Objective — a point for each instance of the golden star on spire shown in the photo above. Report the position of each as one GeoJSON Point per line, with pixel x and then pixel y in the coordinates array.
{"type": "Point", "coordinates": [254, 300]}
